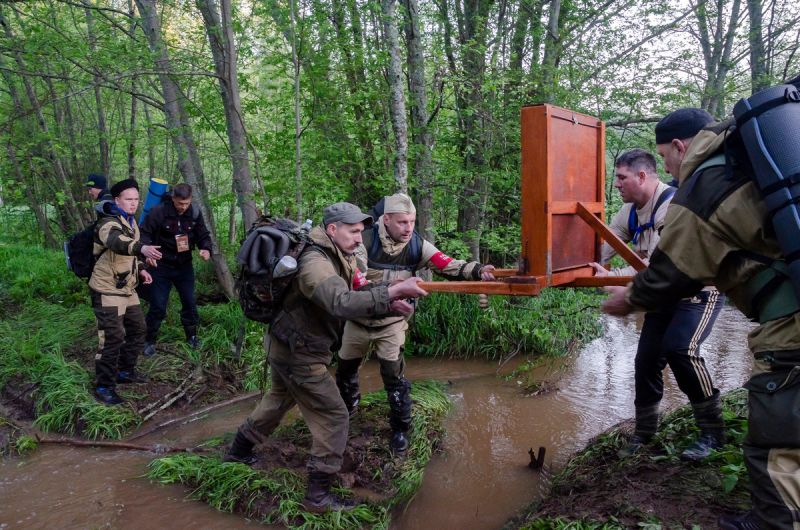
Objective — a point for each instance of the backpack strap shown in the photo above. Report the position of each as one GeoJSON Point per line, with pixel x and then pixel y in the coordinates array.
{"type": "Point", "coordinates": [716, 160]}
{"type": "Point", "coordinates": [633, 219]}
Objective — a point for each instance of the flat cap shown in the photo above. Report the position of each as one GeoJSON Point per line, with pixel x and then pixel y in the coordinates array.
{"type": "Point", "coordinates": [346, 213]}
{"type": "Point", "coordinates": [399, 203]}
{"type": "Point", "coordinates": [122, 185]}
{"type": "Point", "coordinates": [95, 180]}
{"type": "Point", "coordinates": [680, 124]}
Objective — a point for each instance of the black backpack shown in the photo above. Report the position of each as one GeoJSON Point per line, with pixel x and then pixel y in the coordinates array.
{"type": "Point", "coordinates": [79, 252]}
{"type": "Point", "coordinates": [268, 240]}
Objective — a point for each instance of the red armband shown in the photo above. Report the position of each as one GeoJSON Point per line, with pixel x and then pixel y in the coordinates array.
{"type": "Point", "coordinates": [359, 280]}
{"type": "Point", "coordinates": [440, 260]}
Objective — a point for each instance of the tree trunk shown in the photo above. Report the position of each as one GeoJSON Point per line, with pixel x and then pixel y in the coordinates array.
{"type": "Point", "coordinates": [397, 106]}
{"type": "Point", "coordinates": [102, 130]}
{"type": "Point", "coordinates": [182, 140]}
{"type": "Point", "coordinates": [473, 112]}
{"type": "Point", "coordinates": [716, 51]}
{"type": "Point", "coordinates": [420, 133]}
{"type": "Point", "coordinates": [758, 60]}
{"type": "Point", "coordinates": [552, 54]}
{"type": "Point", "coordinates": [219, 29]}
{"type": "Point", "coordinates": [298, 161]}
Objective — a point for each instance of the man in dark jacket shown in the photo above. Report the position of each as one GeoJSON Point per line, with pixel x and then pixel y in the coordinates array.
{"type": "Point", "coordinates": [717, 232]}
{"type": "Point", "coordinates": [177, 227]}
{"type": "Point", "coordinates": [327, 290]}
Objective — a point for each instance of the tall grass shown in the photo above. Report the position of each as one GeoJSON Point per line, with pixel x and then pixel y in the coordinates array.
{"type": "Point", "coordinates": [31, 346]}
{"type": "Point", "coordinates": [233, 487]}
{"type": "Point", "coordinates": [448, 325]}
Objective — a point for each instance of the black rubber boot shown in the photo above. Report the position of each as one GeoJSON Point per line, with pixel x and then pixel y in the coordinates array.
{"type": "Point", "coordinates": [646, 425]}
{"type": "Point", "coordinates": [746, 521]}
{"type": "Point", "coordinates": [347, 382]}
{"type": "Point", "coordinates": [708, 415]}
{"type": "Point", "coordinates": [319, 498]}
{"type": "Point", "coordinates": [241, 450]}
{"type": "Point", "coordinates": [398, 392]}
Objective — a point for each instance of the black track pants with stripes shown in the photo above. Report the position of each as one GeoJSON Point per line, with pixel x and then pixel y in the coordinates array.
{"type": "Point", "coordinates": [673, 337]}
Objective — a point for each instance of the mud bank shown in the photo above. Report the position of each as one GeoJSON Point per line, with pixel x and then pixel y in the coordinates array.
{"type": "Point", "coordinates": [272, 490]}
{"type": "Point", "coordinates": [599, 489]}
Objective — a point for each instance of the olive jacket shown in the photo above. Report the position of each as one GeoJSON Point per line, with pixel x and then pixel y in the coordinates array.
{"type": "Point", "coordinates": [321, 298]}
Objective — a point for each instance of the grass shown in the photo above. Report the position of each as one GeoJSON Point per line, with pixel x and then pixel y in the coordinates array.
{"type": "Point", "coordinates": [275, 496]}
{"type": "Point", "coordinates": [549, 324]}
{"type": "Point", "coordinates": [32, 352]}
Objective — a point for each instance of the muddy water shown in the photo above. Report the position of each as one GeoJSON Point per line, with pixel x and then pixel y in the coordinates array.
{"type": "Point", "coordinates": [479, 481]}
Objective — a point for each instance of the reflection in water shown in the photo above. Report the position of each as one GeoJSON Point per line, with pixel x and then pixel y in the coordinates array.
{"type": "Point", "coordinates": [479, 480]}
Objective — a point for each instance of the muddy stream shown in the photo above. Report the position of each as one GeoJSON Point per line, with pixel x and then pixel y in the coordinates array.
{"type": "Point", "coordinates": [478, 480]}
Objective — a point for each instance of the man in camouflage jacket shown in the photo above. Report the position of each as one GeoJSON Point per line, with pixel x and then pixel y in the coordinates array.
{"type": "Point", "coordinates": [327, 290]}
{"type": "Point", "coordinates": [393, 250]}
{"type": "Point", "coordinates": [717, 232]}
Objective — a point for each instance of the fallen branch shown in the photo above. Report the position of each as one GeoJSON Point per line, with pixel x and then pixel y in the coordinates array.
{"type": "Point", "coordinates": [206, 410]}
{"type": "Point", "coordinates": [157, 448]}
{"type": "Point", "coordinates": [170, 398]}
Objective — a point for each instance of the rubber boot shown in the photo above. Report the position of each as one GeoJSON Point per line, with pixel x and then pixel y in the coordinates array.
{"type": "Point", "coordinates": [347, 382]}
{"type": "Point", "coordinates": [398, 392]}
{"type": "Point", "coordinates": [708, 415]}
{"type": "Point", "coordinates": [241, 450]}
{"type": "Point", "coordinates": [646, 425]}
{"type": "Point", "coordinates": [319, 498]}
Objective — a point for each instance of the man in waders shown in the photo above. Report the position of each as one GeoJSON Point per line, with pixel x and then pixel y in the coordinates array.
{"type": "Point", "coordinates": [393, 250]}
{"type": "Point", "coordinates": [673, 334]}
{"type": "Point", "coordinates": [717, 232]}
{"type": "Point", "coordinates": [328, 289]}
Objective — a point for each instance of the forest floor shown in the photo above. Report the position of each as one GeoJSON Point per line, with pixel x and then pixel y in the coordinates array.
{"type": "Point", "coordinates": [653, 488]}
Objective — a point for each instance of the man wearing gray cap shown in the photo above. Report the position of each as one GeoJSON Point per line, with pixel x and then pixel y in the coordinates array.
{"type": "Point", "coordinates": [718, 232]}
{"type": "Point", "coordinates": [393, 250]}
{"type": "Point", "coordinates": [327, 290]}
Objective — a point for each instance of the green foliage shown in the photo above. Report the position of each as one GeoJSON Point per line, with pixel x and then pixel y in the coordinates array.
{"type": "Point", "coordinates": [560, 523]}
{"type": "Point", "coordinates": [550, 324]}
{"type": "Point", "coordinates": [31, 272]}
{"type": "Point", "coordinates": [25, 444]}
{"type": "Point", "coordinates": [31, 345]}
{"type": "Point", "coordinates": [236, 487]}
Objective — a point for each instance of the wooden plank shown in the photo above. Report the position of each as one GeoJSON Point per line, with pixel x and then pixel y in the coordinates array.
{"type": "Point", "coordinates": [598, 281]}
{"type": "Point", "coordinates": [505, 273]}
{"type": "Point", "coordinates": [611, 238]}
{"type": "Point", "coordinates": [571, 207]}
{"type": "Point", "coordinates": [530, 288]}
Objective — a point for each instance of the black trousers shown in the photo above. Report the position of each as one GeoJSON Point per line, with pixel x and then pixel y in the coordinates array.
{"type": "Point", "coordinates": [164, 277]}
{"type": "Point", "coordinates": [120, 330]}
{"type": "Point", "coordinates": [673, 337]}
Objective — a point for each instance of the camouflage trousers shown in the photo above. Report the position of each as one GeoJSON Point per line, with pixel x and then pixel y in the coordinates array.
{"type": "Point", "coordinates": [120, 333]}
{"type": "Point", "coordinates": [772, 447]}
